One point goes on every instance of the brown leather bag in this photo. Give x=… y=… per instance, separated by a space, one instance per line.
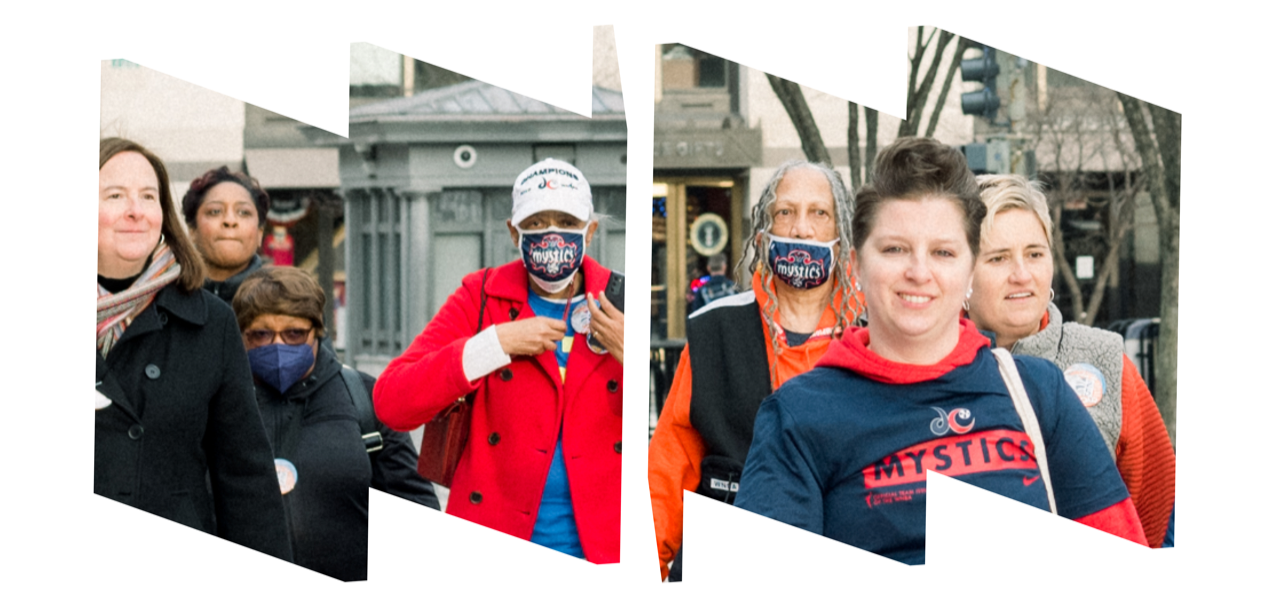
x=445 y=437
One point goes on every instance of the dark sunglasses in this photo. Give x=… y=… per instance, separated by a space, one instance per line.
x=262 y=337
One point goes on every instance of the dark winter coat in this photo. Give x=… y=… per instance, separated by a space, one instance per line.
x=328 y=507
x=182 y=437
x=227 y=289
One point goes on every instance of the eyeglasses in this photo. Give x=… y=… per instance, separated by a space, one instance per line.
x=262 y=337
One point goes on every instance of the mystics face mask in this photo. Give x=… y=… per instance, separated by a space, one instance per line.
x=552 y=256
x=801 y=263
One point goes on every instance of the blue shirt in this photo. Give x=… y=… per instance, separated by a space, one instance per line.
x=555 y=527
x=845 y=456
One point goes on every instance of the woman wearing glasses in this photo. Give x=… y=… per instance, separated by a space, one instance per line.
x=308 y=404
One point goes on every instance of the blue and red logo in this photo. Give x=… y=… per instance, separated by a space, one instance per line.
x=551 y=183
x=800 y=270
x=952 y=421
x=800 y=263
x=552 y=257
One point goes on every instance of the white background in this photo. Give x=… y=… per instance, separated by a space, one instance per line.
x=62 y=543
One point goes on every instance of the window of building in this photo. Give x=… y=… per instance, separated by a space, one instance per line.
x=688 y=68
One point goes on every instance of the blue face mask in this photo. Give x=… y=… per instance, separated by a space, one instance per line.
x=800 y=263
x=281 y=365
x=552 y=257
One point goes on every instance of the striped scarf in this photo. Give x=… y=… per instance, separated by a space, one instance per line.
x=116 y=311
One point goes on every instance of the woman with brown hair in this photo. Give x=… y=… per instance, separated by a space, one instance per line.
x=843 y=450
x=177 y=429
x=309 y=405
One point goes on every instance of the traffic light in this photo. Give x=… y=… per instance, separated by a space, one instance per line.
x=989 y=157
x=983 y=102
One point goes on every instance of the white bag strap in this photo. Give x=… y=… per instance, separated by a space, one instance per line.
x=1022 y=403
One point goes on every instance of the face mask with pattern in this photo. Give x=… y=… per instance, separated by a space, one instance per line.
x=801 y=263
x=552 y=256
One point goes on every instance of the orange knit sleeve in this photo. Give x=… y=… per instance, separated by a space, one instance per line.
x=675 y=462
x=1144 y=455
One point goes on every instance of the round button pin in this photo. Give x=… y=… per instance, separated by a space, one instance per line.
x=287 y=475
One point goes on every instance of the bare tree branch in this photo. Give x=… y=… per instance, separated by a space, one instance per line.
x=914 y=60
x=802 y=118
x=1152 y=148
x=954 y=67
x=1167 y=128
x=1065 y=272
x=873 y=139
x=855 y=154
x=1111 y=264
x=916 y=99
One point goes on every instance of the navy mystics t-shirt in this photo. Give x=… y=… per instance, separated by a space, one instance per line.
x=845 y=456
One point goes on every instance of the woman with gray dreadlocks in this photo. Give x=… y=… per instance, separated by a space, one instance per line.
x=742 y=348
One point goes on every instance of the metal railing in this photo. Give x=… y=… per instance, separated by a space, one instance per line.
x=664 y=356
x=1141 y=338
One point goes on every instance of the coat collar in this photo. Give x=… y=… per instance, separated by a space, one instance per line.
x=191 y=307
x=227 y=289
x=511 y=281
x=1045 y=342
x=188 y=306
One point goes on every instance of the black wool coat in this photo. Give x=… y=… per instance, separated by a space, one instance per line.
x=314 y=425
x=227 y=289
x=183 y=438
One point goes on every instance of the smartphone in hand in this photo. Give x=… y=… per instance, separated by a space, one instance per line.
x=613 y=290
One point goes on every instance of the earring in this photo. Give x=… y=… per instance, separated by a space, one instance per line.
x=966 y=304
x=856 y=285
x=1051 y=294
x=968 y=294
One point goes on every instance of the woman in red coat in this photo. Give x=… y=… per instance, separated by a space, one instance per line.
x=543 y=458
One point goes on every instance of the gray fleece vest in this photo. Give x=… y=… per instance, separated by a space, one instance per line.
x=1093 y=362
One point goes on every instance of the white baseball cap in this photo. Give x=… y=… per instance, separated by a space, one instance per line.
x=551 y=185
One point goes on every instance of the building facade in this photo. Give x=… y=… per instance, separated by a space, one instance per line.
x=427 y=183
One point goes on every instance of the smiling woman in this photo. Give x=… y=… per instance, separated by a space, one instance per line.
x=914 y=270
x=843 y=450
x=129 y=214
x=177 y=432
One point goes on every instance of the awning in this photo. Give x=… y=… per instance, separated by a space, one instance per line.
x=294 y=167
